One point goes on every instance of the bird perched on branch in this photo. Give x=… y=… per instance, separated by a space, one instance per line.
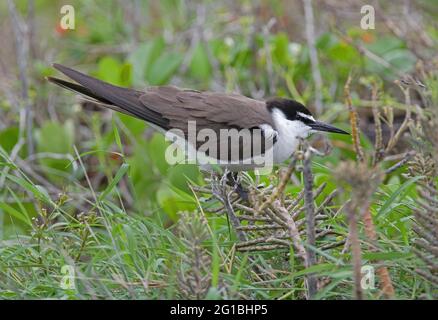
x=274 y=126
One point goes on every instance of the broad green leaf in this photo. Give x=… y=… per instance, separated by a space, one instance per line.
x=109 y=70
x=143 y=58
x=126 y=75
x=180 y=174
x=163 y=68
x=157 y=150
x=9 y=138
x=55 y=138
x=280 y=50
x=200 y=67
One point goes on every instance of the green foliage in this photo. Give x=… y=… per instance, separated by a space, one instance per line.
x=154 y=63
x=55 y=140
x=111 y=211
x=200 y=67
x=9 y=138
x=392 y=50
x=112 y=71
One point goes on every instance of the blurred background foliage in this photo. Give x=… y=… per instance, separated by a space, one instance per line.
x=258 y=48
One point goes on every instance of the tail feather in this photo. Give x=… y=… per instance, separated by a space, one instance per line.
x=76 y=88
x=88 y=95
x=122 y=98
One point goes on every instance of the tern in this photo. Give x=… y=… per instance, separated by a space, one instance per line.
x=276 y=124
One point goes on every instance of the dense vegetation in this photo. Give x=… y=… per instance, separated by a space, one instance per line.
x=87 y=192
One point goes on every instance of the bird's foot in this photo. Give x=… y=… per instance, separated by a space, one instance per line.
x=233 y=181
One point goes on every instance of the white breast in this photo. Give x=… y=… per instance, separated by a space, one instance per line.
x=288 y=134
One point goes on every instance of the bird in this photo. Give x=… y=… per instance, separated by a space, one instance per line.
x=276 y=124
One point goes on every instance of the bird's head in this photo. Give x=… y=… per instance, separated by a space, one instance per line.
x=296 y=118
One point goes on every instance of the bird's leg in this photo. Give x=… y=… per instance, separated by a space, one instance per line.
x=232 y=180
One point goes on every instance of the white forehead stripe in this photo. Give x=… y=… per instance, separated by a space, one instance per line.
x=306 y=116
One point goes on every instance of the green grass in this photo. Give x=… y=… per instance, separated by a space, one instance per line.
x=124 y=255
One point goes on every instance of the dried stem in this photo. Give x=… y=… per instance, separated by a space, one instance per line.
x=354 y=121
x=405 y=124
x=310 y=221
x=310 y=37
x=378 y=145
x=22 y=48
x=293 y=232
x=221 y=193
x=355 y=250
x=282 y=185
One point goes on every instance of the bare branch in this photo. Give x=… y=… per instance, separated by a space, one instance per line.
x=310 y=37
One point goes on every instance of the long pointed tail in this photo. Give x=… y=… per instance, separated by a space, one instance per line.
x=117 y=98
x=76 y=88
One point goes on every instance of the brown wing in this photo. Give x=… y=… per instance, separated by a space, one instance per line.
x=215 y=111
x=209 y=109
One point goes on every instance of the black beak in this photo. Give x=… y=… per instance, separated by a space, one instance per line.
x=321 y=126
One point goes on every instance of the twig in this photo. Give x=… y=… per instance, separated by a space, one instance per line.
x=354 y=121
x=282 y=185
x=292 y=230
x=310 y=221
x=22 y=48
x=269 y=64
x=408 y=156
x=378 y=145
x=219 y=190
x=382 y=272
x=310 y=37
x=405 y=124
x=355 y=249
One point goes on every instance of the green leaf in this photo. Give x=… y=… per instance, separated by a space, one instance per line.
x=8 y=164
x=9 y=138
x=117 y=136
x=126 y=75
x=119 y=175
x=55 y=138
x=385 y=44
x=130 y=238
x=143 y=58
x=180 y=174
x=173 y=201
x=322 y=268
x=38 y=191
x=109 y=70
x=157 y=150
x=401 y=59
x=384 y=256
x=164 y=68
x=134 y=126
x=200 y=67
x=280 y=50
x=387 y=206
x=15 y=213
x=392 y=50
